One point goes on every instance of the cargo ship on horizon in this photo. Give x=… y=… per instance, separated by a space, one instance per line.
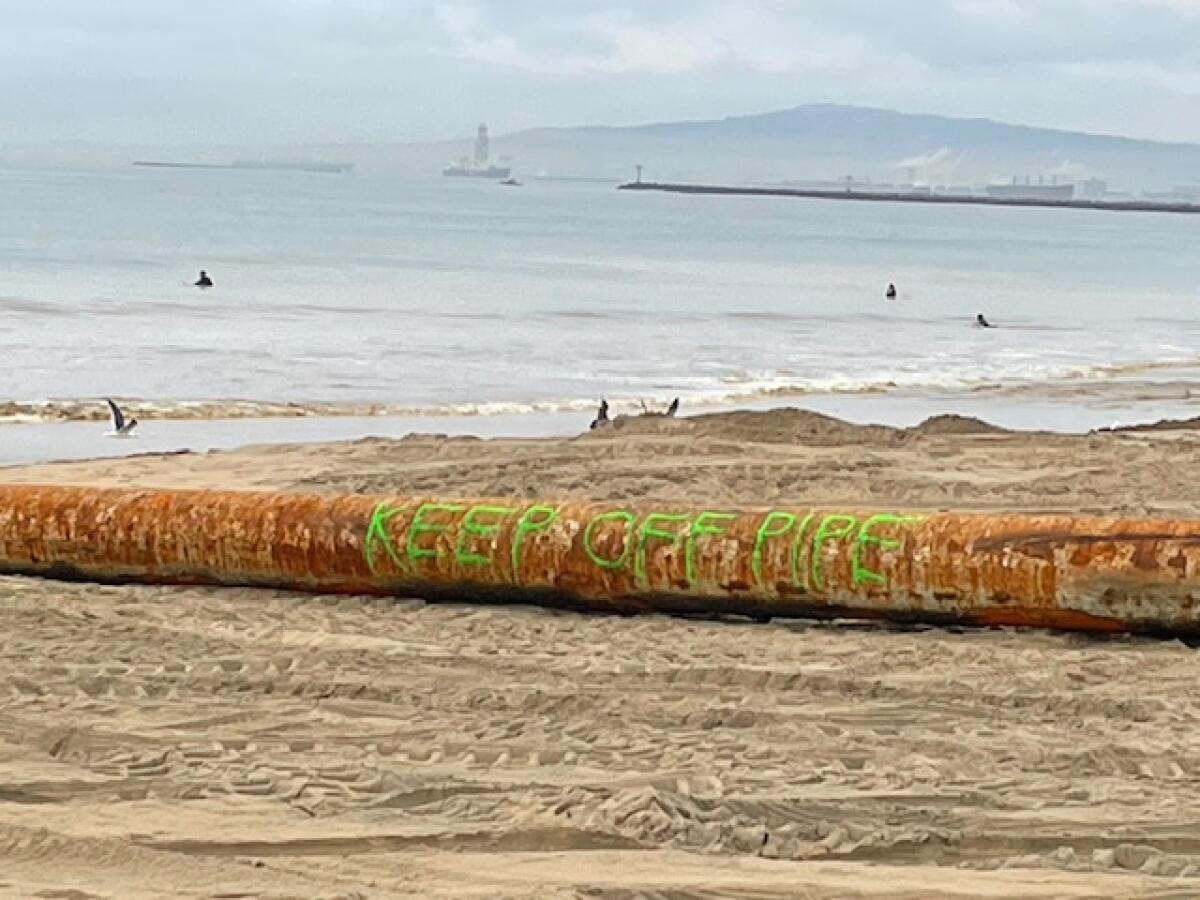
x=262 y=165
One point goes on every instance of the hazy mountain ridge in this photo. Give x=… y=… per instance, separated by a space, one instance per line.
x=829 y=141
x=814 y=142
x=828 y=119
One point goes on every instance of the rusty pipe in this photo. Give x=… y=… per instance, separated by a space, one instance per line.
x=1092 y=574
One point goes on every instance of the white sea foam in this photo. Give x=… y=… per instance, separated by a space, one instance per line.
x=1148 y=379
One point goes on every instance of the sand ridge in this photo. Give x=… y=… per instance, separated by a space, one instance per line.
x=777 y=457
x=187 y=742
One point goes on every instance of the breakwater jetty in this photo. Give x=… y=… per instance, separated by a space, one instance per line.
x=906 y=197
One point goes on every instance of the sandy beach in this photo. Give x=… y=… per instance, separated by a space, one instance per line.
x=187 y=742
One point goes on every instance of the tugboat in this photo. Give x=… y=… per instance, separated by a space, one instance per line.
x=480 y=165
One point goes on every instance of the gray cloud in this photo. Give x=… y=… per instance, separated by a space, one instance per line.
x=319 y=70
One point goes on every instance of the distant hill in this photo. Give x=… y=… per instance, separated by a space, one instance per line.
x=825 y=141
x=821 y=142
x=858 y=126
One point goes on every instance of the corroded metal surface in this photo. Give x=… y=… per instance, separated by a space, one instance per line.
x=1054 y=571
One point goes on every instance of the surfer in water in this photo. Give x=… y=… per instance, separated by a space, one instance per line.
x=981 y=322
x=890 y=293
x=204 y=281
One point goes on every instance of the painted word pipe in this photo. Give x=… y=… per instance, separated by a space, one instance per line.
x=1094 y=574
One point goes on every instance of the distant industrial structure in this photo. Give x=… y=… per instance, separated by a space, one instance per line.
x=1188 y=193
x=254 y=165
x=1043 y=190
x=480 y=165
x=1051 y=188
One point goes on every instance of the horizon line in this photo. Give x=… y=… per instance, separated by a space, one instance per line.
x=382 y=142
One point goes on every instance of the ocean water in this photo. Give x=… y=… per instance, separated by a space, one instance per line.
x=449 y=295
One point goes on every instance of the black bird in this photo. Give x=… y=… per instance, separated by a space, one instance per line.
x=204 y=281
x=674 y=407
x=982 y=322
x=601 y=416
x=891 y=292
x=121 y=426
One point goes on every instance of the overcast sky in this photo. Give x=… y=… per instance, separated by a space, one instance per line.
x=279 y=71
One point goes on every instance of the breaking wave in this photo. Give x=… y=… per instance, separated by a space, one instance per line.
x=728 y=391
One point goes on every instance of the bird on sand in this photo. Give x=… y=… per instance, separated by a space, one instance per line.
x=601 y=416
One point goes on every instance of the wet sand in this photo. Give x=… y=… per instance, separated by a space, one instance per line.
x=171 y=742
x=76 y=430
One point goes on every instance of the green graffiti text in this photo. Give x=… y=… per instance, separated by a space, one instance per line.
x=707 y=524
x=473 y=530
x=379 y=533
x=865 y=539
x=589 y=533
x=532 y=521
x=832 y=528
x=650 y=531
x=420 y=527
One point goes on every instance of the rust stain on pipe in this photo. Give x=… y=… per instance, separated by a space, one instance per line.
x=1091 y=574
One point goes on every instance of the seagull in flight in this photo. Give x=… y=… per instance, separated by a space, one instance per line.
x=121 y=427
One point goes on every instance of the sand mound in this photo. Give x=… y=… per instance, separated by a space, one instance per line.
x=775 y=426
x=1192 y=424
x=954 y=424
x=785 y=456
x=795 y=426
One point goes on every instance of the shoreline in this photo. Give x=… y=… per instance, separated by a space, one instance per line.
x=1174 y=381
x=896 y=197
x=42 y=442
